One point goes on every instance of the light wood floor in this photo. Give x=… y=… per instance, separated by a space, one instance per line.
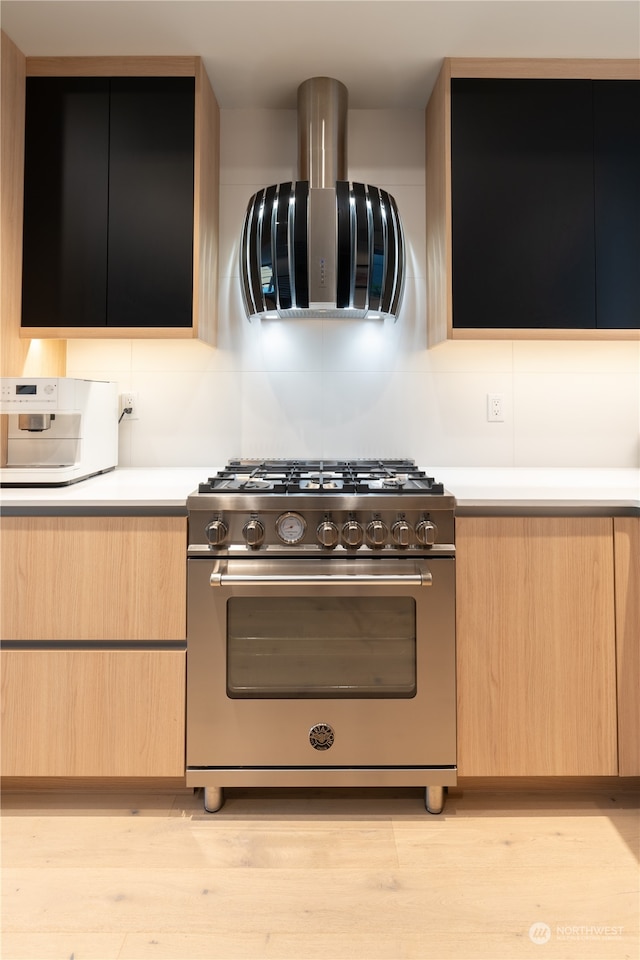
x=338 y=875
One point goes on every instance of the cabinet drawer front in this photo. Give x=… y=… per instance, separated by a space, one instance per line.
x=81 y=713
x=93 y=578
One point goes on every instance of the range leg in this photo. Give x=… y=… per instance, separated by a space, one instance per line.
x=434 y=799
x=213 y=799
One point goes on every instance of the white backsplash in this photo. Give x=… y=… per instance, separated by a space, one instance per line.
x=354 y=388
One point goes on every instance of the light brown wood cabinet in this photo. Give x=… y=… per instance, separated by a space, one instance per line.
x=627 y=560
x=93 y=578
x=93 y=713
x=536 y=647
x=94 y=618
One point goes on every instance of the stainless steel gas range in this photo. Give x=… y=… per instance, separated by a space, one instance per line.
x=321 y=628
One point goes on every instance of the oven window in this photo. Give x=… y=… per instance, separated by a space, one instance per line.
x=328 y=647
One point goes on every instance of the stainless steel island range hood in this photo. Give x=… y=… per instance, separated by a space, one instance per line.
x=322 y=246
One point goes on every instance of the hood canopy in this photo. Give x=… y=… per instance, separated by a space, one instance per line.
x=322 y=246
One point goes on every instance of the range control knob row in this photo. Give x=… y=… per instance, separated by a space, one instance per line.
x=352 y=534
x=216 y=532
x=426 y=533
x=377 y=533
x=328 y=534
x=253 y=532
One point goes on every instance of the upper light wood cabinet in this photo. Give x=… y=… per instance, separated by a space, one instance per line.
x=121 y=189
x=533 y=200
x=536 y=648
x=93 y=578
x=627 y=558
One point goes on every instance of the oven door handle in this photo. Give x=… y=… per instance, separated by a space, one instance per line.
x=420 y=577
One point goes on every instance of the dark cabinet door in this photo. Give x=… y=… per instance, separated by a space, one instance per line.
x=150 y=277
x=522 y=203
x=66 y=202
x=108 y=229
x=616 y=110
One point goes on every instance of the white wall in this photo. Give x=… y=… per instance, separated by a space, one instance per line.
x=361 y=389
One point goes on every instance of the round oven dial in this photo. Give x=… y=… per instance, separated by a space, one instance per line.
x=253 y=532
x=328 y=534
x=291 y=527
x=426 y=533
x=352 y=533
x=401 y=533
x=216 y=532
x=377 y=532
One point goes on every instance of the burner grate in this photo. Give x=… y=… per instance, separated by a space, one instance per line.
x=322 y=476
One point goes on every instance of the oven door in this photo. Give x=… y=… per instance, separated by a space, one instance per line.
x=321 y=662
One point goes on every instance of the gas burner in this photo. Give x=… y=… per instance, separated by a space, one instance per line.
x=321 y=480
x=254 y=483
x=320 y=483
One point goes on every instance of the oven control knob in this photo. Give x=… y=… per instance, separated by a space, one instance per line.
x=426 y=533
x=401 y=533
x=216 y=532
x=352 y=533
x=253 y=533
x=328 y=534
x=377 y=533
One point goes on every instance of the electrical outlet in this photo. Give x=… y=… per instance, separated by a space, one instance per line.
x=495 y=408
x=129 y=400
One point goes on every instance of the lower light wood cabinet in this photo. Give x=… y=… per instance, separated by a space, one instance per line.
x=536 y=647
x=627 y=554
x=94 y=621
x=86 y=713
x=93 y=578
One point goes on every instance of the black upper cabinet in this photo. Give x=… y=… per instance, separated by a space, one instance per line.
x=544 y=176
x=66 y=202
x=616 y=108
x=108 y=213
x=151 y=202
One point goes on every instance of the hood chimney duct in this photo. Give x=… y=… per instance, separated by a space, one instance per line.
x=322 y=132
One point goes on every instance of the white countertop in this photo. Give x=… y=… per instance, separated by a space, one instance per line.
x=486 y=487
x=165 y=489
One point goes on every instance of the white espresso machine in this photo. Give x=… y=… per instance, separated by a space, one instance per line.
x=60 y=430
